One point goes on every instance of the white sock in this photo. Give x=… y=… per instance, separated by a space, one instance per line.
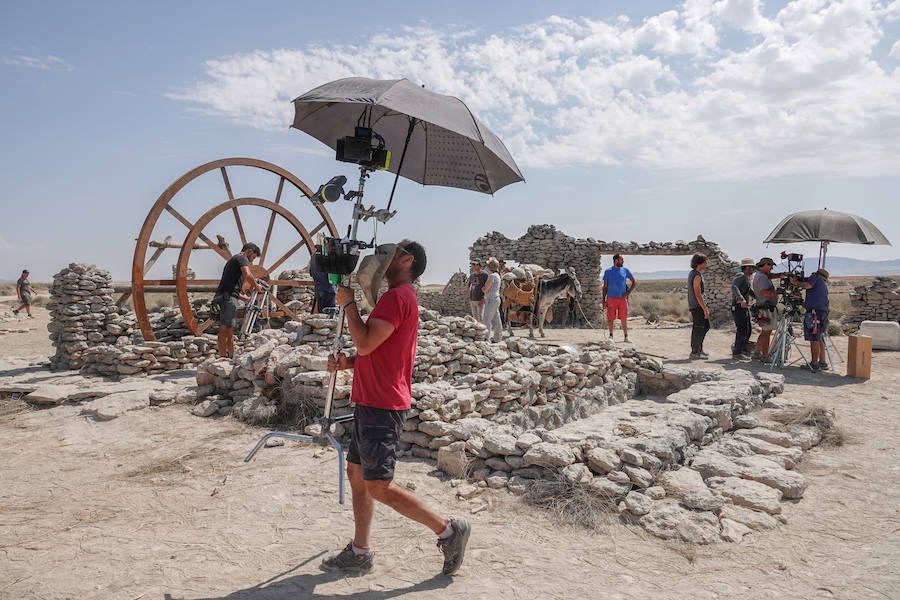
x=447 y=532
x=360 y=551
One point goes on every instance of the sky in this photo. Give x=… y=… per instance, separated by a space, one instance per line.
x=629 y=120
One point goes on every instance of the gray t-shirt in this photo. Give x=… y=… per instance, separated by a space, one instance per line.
x=24 y=286
x=493 y=294
x=762 y=282
x=692 y=298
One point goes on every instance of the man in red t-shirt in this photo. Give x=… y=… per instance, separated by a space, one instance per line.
x=382 y=384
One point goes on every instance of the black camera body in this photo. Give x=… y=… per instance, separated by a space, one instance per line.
x=792 y=294
x=358 y=148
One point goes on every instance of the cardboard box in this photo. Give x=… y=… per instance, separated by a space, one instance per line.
x=859 y=356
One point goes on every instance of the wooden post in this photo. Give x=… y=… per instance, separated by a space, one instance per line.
x=859 y=356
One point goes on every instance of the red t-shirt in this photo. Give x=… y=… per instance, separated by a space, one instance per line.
x=383 y=379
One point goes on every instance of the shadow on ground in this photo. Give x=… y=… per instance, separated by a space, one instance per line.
x=282 y=587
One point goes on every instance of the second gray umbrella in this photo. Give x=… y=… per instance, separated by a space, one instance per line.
x=443 y=142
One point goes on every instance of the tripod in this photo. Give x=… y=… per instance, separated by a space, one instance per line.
x=785 y=340
x=256 y=306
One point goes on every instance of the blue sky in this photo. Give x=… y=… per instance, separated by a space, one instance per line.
x=631 y=121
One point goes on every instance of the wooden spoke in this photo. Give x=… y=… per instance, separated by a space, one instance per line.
x=203 y=236
x=286 y=256
x=157 y=254
x=265 y=248
x=318 y=227
x=281 y=305
x=237 y=217
x=206 y=325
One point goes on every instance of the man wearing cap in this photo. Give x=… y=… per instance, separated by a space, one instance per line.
x=477 y=279
x=815 y=321
x=741 y=295
x=766 y=300
x=382 y=395
x=24 y=291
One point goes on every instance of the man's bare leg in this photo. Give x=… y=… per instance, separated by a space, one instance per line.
x=363 y=506
x=762 y=343
x=612 y=325
x=225 y=341
x=624 y=326
x=405 y=503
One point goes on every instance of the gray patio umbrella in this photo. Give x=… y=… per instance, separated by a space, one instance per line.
x=825 y=226
x=440 y=141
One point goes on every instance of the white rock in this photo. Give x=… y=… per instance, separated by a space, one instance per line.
x=637 y=503
x=750 y=494
x=603 y=460
x=732 y=531
x=546 y=454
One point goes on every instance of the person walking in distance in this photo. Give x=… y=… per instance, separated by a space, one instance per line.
x=766 y=300
x=477 y=280
x=382 y=393
x=697 y=305
x=491 y=291
x=741 y=295
x=236 y=271
x=616 y=292
x=24 y=292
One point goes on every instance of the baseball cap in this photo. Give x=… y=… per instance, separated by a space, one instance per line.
x=765 y=261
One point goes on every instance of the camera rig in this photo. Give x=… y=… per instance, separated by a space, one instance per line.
x=791 y=295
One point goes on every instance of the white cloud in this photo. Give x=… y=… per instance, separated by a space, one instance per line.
x=895 y=50
x=43 y=63
x=803 y=95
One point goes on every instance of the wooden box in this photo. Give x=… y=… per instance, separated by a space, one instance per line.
x=859 y=356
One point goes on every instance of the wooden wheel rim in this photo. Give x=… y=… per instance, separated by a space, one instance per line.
x=162 y=203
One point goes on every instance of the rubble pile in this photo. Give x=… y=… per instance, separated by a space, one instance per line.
x=147 y=357
x=452 y=300
x=83 y=313
x=877 y=302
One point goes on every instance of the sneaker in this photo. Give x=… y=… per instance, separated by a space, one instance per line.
x=15 y=312
x=814 y=367
x=824 y=366
x=349 y=562
x=626 y=339
x=695 y=356
x=454 y=547
x=703 y=354
x=30 y=316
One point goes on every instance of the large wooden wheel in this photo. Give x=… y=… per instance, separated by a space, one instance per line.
x=197 y=239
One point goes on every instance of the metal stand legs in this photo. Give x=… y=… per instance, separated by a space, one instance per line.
x=786 y=340
x=258 y=305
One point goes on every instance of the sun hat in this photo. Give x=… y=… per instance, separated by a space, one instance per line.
x=765 y=261
x=747 y=262
x=493 y=263
x=823 y=273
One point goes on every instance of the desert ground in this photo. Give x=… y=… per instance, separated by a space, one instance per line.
x=158 y=504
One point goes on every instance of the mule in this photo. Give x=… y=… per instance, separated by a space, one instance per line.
x=551 y=289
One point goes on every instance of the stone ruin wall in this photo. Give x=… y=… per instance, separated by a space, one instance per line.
x=879 y=301
x=452 y=300
x=546 y=246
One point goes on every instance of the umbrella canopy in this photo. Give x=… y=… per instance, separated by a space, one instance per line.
x=826 y=226
x=442 y=141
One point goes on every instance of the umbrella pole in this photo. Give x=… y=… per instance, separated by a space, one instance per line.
x=823 y=251
x=412 y=125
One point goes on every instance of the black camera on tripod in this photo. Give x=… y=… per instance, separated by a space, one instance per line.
x=358 y=148
x=791 y=295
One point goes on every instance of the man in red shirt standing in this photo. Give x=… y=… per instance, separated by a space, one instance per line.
x=382 y=392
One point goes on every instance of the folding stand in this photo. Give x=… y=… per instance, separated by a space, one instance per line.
x=258 y=305
x=786 y=340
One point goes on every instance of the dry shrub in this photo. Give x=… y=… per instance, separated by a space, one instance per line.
x=815 y=416
x=295 y=410
x=571 y=503
x=12 y=406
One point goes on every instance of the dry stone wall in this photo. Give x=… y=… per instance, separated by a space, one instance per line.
x=452 y=300
x=547 y=246
x=83 y=314
x=877 y=302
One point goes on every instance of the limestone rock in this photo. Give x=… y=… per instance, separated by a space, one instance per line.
x=668 y=520
x=115 y=405
x=754 y=519
x=547 y=454
x=637 y=503
x=603 y=460
x=732 y=531
x=758 y=468
x=750 y=494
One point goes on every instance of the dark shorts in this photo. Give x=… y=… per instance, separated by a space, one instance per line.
x=813 y=330
x=26 y=299
x=228 y=309
x=373 y=446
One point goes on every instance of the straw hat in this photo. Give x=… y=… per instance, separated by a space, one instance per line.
x=747 y=262
x=823 y=273
x=493 y=264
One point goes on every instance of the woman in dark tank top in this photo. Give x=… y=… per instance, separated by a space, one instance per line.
x=697 y=305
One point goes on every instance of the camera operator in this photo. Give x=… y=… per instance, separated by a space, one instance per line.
x=766 y=300
x=815 y=321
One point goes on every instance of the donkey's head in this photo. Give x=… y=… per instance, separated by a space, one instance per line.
x=574 y=288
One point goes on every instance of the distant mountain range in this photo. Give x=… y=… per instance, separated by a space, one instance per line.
x=837 y=266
